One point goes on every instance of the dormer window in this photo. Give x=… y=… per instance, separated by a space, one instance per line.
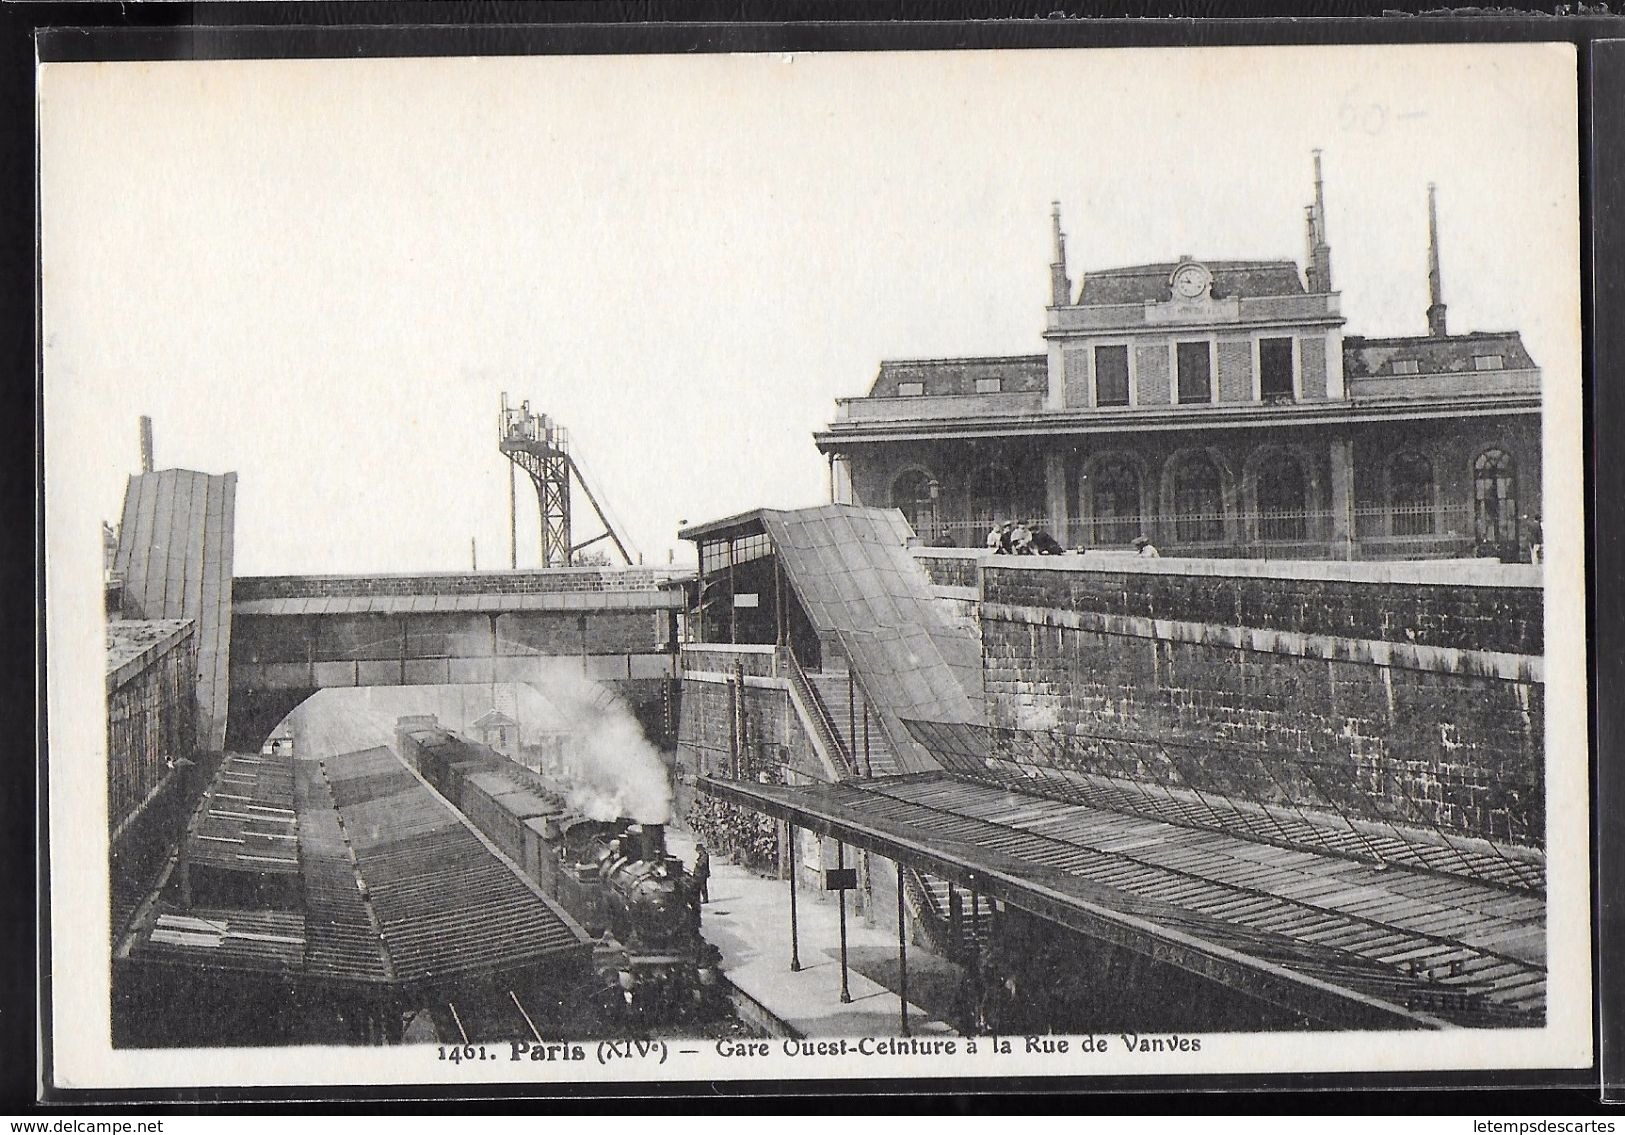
x=1406 y=366
x=910 y=389
x=1488 y=362
x=989 y=385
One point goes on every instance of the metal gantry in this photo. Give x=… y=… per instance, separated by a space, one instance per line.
x=541 y=447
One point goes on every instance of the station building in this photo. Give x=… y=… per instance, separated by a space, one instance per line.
x=1217 y=407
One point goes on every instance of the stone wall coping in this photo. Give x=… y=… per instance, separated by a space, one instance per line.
x=1448 y=573
x=670 y=573
x=164 y=635
x=924 y=552
x=731 y=647
x=642 y=576
x=759 y=681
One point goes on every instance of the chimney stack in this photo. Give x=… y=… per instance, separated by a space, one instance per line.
x=146 y=444
x=1320 y=253
x=652 y=842
x=1060 y=288
x=1436 y=306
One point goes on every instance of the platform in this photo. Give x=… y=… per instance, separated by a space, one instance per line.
x=748 y=919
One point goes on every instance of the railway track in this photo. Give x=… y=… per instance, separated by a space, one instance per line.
x=521 y=1015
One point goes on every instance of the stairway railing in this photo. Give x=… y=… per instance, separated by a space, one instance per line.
x=923 y=905
x=936 y=922
x=817 y=712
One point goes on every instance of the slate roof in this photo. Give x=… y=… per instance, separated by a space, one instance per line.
x=247 y=820
x=1017 y=374
x=1148 y=283
x=1433 y=355
x=397 y=885
x=175 y=555
x=868 y=597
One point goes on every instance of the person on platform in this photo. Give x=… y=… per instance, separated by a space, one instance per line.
x=702 y=872
x=995 y=537
x=1144 y=547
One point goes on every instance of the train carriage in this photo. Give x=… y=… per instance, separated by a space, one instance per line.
x=615 y=877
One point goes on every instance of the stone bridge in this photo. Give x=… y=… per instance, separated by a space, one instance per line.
x=294 y=635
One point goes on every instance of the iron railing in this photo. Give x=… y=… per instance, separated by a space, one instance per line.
x=817 y=712
x=1276 y=797
x=1376 y=532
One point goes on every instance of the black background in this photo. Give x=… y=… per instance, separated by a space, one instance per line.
x=166 y=31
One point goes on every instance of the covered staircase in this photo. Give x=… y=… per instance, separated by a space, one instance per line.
x=944 y=914
x=858 y=729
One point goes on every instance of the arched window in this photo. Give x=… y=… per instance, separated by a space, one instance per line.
x=1410 y=494
x=911 y=494
x=988 y=494
x=1114 y=494
x=1495 y=498
x=1198 y=500
x=1282 y=500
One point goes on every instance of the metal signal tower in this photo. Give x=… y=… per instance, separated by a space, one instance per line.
x=541 y=447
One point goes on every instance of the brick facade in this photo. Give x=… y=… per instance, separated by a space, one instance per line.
x=1235 y=370
x=1154 y=384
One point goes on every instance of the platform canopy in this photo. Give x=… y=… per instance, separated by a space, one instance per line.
x=392 y=888
x=1344 y=942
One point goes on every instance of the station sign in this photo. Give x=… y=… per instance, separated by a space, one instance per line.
x=840 y=878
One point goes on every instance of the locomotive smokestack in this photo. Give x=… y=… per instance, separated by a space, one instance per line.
x=653 y=846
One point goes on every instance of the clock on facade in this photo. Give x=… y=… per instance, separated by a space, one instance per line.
x=1190 y=281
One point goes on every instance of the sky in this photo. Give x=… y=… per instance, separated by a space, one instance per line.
x=323 y=274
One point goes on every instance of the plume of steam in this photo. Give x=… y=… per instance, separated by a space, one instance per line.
x=613 y=769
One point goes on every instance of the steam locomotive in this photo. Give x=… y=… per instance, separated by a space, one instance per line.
x=614 y=877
